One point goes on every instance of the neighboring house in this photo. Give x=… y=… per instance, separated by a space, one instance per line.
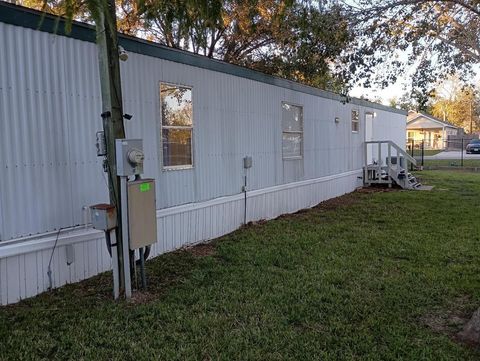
x=198 y=119
x=433 y=131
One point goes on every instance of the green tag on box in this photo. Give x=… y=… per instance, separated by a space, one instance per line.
x=144 y=187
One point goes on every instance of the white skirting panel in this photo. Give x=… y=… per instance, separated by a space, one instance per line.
x=24 y=262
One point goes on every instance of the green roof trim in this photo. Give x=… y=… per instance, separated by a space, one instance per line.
x=32 y=19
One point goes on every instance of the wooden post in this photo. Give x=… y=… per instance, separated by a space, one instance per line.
x=379 y=165
x=423 y=151
x=112 y=110
x=461 y=152
x=412 y=154
x=471 y=116
x=389 y=164
x=365 y=169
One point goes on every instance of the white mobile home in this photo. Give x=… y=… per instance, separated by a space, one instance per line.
x=198 y=119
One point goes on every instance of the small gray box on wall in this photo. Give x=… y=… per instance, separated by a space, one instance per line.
x=103 y=216
x=247 y=162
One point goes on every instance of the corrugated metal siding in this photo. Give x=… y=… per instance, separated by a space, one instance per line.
x=36 y=188
x=50 y=103
x=50 y=99
x=23 y=273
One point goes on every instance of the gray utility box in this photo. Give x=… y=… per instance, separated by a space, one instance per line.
x=104 y=216
x=130 y=156
x=142 y=213
x=247 y=162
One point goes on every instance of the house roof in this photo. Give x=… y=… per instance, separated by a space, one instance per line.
x=417 y=115
x=32 y=19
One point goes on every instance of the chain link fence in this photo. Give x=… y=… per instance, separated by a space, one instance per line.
x=449 y=153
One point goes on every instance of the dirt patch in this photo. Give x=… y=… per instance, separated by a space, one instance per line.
x=202 y=249
x=470 y=333
x=259 y=222
x=141 y=297
x=352 y=198
x=334 y=203
x=453 y=321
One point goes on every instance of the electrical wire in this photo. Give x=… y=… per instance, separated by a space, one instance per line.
x=49 y=268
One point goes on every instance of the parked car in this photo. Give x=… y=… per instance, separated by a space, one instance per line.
x=473 y=146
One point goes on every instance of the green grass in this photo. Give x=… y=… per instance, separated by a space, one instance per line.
x=454 y=163
x=418 y=152
x=354 y=280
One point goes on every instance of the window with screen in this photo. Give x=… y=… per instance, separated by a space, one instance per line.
x=355 y=121
x=292 y=128
x=177 y=125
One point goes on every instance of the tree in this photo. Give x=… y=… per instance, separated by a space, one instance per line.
x=457 y=103
x=295 y=39
x=405 y=102
x=127 y=14
x=439 y=38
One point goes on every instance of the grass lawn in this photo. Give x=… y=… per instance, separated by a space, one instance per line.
x=369 y=276
x=418 y=152
x=450 y=163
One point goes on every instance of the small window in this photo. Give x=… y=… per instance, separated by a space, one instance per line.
x=292 y=128
x=177 y=125
x=355 y=121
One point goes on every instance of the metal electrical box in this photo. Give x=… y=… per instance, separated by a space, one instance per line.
x=104 y=216
x=247 y=162
x=129 y=153
x=142 y=218
x=101 y=144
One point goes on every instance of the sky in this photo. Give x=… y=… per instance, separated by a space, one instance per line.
x=397 y=89
x=403 y=84
x=393 y=91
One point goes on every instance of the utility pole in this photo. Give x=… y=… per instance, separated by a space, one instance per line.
x=112 y=109
x=471 y=116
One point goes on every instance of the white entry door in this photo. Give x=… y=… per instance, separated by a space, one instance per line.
x=369 y=137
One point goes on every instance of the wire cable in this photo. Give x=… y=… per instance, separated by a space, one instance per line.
x=49 y=268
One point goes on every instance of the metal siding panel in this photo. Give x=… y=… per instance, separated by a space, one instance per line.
x=50 y=113
x=32 y=202
x=22 y=279
x=40 y=271
x=13 y=280
x=92 y=268
x=84 y=104
x=3 y=282
x=79 y=264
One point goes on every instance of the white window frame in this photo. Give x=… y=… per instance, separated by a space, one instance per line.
x=355 y=121
x=293 y=157
x=192 y=128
